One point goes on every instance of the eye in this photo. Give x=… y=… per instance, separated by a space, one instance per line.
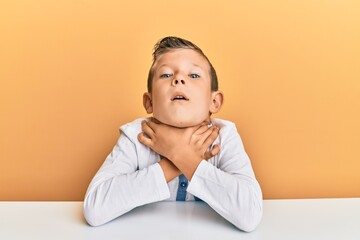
x=166 y=75
x=194 y=76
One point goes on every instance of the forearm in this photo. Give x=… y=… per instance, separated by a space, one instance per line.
x=185 y=148
x=236 y=197
x=187 y=163
x=169 y=169
x=111 y=196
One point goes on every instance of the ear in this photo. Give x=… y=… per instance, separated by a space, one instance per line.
x=217 y=99
x=147 y=102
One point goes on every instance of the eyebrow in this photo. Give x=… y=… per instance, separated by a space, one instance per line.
x=195 y=65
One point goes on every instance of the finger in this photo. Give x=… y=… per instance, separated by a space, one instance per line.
x=215 y=150
x=206 y=122
x=205 y=135
x=209 y=154
x=203 y=128
x=211 y=138
x=144 y=140
x=147 y=129
x=152 y=125
x=152 y=119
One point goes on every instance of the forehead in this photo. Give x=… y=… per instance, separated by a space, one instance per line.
x=181 y=57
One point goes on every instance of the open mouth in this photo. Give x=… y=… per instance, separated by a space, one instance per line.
x=179 y=97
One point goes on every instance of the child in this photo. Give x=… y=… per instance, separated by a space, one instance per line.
x=179 y=154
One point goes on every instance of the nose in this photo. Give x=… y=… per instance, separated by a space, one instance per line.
x=176 y=81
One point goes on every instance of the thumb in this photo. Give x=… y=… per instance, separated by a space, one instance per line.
x=209 y=154
x=144 y=140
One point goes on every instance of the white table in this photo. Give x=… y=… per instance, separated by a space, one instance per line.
x=283 y=219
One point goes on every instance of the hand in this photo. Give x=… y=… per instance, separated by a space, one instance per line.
x=184 y=147
x=170 y=141
x=201 y=131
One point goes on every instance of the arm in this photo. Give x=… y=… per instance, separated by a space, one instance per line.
x=231 y=189
x=172 y=171
x=184 y=147
x=169 y=169
x=120 y=186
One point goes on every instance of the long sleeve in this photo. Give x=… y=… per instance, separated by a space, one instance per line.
x=230 y=188
x=119 y=185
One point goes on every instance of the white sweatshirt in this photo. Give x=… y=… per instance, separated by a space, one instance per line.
x=131 y=177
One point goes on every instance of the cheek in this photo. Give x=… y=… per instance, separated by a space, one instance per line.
x=157 y=96
x=158 y=103
x=204 y=99
x=202 y=104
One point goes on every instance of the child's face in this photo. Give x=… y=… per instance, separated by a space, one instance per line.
x=181 y=89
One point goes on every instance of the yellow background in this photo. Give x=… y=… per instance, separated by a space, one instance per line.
x=72 y=72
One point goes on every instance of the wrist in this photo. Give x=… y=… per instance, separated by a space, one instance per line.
x=169 y=169
x=185 y=157
x=187 y=164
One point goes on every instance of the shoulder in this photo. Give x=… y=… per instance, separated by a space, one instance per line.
x=228 y=132
x=225 y=126
x=132 y=129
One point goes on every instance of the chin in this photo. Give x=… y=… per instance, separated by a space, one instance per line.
x=180 y=123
